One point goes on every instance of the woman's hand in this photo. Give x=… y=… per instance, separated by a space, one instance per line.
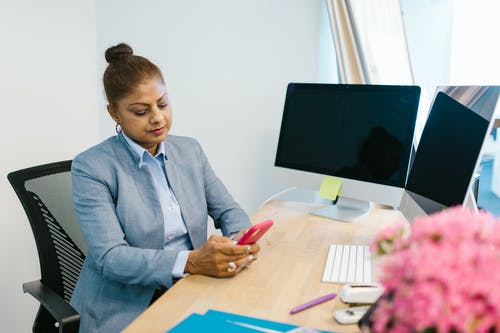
x=236 y=238
x=220 y=257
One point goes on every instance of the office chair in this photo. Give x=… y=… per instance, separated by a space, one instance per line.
x=46 y=195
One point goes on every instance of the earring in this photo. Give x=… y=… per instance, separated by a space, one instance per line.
x=118 y=128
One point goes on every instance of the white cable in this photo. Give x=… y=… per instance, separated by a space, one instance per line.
x=278 y=194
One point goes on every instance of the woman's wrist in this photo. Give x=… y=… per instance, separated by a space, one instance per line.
x=191 y=263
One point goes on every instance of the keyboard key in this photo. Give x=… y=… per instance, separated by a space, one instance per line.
x=351 y=271
x=336 y=263
x=360 y=256
x=327 y=272
x=344 y=264
x=367 y=266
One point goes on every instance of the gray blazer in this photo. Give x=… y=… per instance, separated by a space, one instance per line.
x=120 y=216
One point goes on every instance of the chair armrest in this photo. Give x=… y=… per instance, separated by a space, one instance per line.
x=67 y=317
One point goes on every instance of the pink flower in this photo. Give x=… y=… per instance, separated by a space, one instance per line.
x=384 y=241
x=444 y=275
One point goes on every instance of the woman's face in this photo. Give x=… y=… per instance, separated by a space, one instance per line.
x=145 y=115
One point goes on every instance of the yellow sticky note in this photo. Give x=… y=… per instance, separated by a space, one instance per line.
x=330 y=188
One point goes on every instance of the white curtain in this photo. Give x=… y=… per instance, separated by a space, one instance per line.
x=370 y=41
x=349 y=54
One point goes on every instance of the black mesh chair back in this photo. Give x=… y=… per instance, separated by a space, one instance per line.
x=46 y=195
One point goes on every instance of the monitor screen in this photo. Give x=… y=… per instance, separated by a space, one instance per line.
x=447 y=153
x=358 y=132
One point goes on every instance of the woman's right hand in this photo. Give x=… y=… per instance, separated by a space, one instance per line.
x=214 y=258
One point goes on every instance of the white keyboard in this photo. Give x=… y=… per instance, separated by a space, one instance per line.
x=348 y=264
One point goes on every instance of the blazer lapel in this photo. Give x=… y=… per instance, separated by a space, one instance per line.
x=176 y=186
x=142 y=176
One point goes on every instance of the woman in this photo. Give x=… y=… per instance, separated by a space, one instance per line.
x=142 y=199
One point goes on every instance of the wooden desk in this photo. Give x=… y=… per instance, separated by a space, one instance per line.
x=287 y=273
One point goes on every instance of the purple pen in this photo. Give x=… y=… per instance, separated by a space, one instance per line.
x=313 y=302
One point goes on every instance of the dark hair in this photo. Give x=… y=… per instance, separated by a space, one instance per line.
x=125 y=71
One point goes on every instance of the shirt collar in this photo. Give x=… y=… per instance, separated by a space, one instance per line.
x=140 y=151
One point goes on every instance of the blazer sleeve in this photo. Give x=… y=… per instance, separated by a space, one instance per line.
x=225 y=211
x=110 y=253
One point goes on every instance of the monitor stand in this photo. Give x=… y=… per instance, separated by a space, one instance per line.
x=345 y=209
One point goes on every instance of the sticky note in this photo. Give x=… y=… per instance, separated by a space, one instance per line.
x=330 y=187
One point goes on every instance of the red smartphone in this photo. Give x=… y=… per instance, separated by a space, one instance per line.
x=255 y=232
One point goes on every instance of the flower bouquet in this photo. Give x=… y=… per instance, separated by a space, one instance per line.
x=441 y=275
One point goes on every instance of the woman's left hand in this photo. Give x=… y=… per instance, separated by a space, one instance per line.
x=220 y=257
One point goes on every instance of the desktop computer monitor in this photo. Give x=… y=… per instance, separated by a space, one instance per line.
x=482 y=100
x=446 y=158
x=361 y=134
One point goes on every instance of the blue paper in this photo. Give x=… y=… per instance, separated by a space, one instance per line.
x=200 y=323
x=225 y=316
x=268 y=324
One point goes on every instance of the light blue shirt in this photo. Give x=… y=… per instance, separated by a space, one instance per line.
x=176 y=235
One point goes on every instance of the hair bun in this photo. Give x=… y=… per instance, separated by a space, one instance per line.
x=118 y=53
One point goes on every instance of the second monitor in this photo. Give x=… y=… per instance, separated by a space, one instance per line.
x=446 y=158
x=362 y=134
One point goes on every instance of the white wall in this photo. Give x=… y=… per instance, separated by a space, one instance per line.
x=428 y=26
x=475 y=51
x=327 y=71
x=49 y=113
x=226 y=64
